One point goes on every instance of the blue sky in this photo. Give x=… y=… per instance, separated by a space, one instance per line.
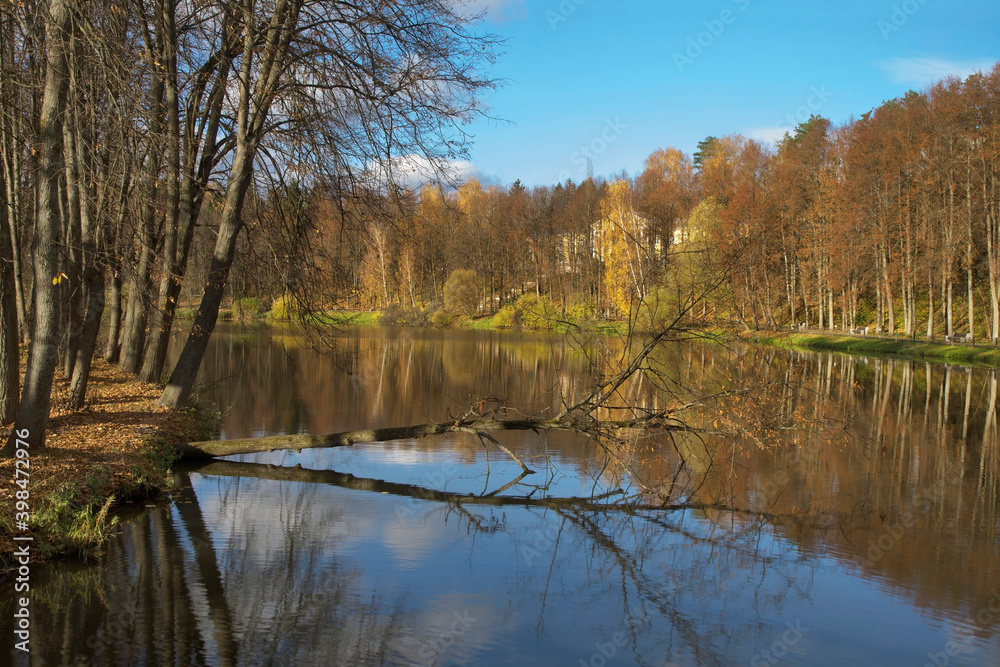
x=616 y=80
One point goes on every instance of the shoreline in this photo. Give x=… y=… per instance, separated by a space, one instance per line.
x=919 y=350
x=97 y=462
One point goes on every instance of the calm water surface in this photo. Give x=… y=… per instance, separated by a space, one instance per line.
x=866 y=530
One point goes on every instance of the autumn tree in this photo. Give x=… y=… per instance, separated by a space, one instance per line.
x=623 y=246
x=33 y=409
x=461 y=292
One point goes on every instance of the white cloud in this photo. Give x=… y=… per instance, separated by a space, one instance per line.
x=926 y=71
x=413 y=171
x=498 y=10
x=768 y=135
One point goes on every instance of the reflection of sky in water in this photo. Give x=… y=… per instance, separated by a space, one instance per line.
x=540 y=587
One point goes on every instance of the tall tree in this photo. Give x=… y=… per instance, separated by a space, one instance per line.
x=33 y=409
x=359 y=81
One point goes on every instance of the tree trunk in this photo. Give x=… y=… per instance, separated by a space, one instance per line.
x=140 y=288
x=969 y=256
x=162 y=312
x=199 y=127
x=33 y=410
x=10 y=379
x=113 y=347
x=889 y=300
x=93 y=279
x=74 y=293
x=88 y=338
x=930 y=304
x=992 y=260
x=949 y=306
x=136 y=312
x=10 y=151
x=178 y=390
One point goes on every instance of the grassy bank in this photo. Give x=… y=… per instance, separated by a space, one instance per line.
x=923 y=350
x=350 y=318
x=118 y=449
x=499 y=322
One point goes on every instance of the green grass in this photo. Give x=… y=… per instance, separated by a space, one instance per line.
x=348 y=318
x=482 y=323
x=337 y=318
x=924 y=350
x=493 y=323
x=356 y=318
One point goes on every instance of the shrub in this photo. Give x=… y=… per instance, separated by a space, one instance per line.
x=284 y=308
x=461 y=292
x=656 y=311
x=529 y=311
x=507 y=317
x=440 y=318
x=580 y=308
x=247 y=308
x=537 y=312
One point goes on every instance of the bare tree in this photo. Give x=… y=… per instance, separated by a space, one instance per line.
x=33 y=410
x=360 y=84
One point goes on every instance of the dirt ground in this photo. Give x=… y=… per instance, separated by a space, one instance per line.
x=117 y=446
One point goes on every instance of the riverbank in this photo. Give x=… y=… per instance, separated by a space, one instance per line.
x=921 y=350
x=116 y=450
x=505 y=320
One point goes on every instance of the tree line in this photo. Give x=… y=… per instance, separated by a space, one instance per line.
x=890 y=221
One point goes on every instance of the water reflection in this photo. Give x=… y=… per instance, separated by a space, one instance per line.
x=852 y=520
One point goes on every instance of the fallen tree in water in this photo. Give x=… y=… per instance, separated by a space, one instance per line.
x=473 y=423
x=490 y=416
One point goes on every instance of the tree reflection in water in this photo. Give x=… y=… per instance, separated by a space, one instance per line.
x=855 y=504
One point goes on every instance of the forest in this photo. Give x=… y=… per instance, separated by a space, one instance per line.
x=888 y=221
x=166 y=156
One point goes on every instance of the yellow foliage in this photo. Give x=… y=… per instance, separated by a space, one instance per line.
x=621 y=247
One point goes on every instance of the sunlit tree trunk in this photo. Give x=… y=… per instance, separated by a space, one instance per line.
x=112 y=347
x=257 y=90
x=993 y=258
x=75 y=293
x=140 y=277
x=930 y=303
x=969 y=254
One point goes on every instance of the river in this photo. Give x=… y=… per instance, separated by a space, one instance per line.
x=840 y=511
